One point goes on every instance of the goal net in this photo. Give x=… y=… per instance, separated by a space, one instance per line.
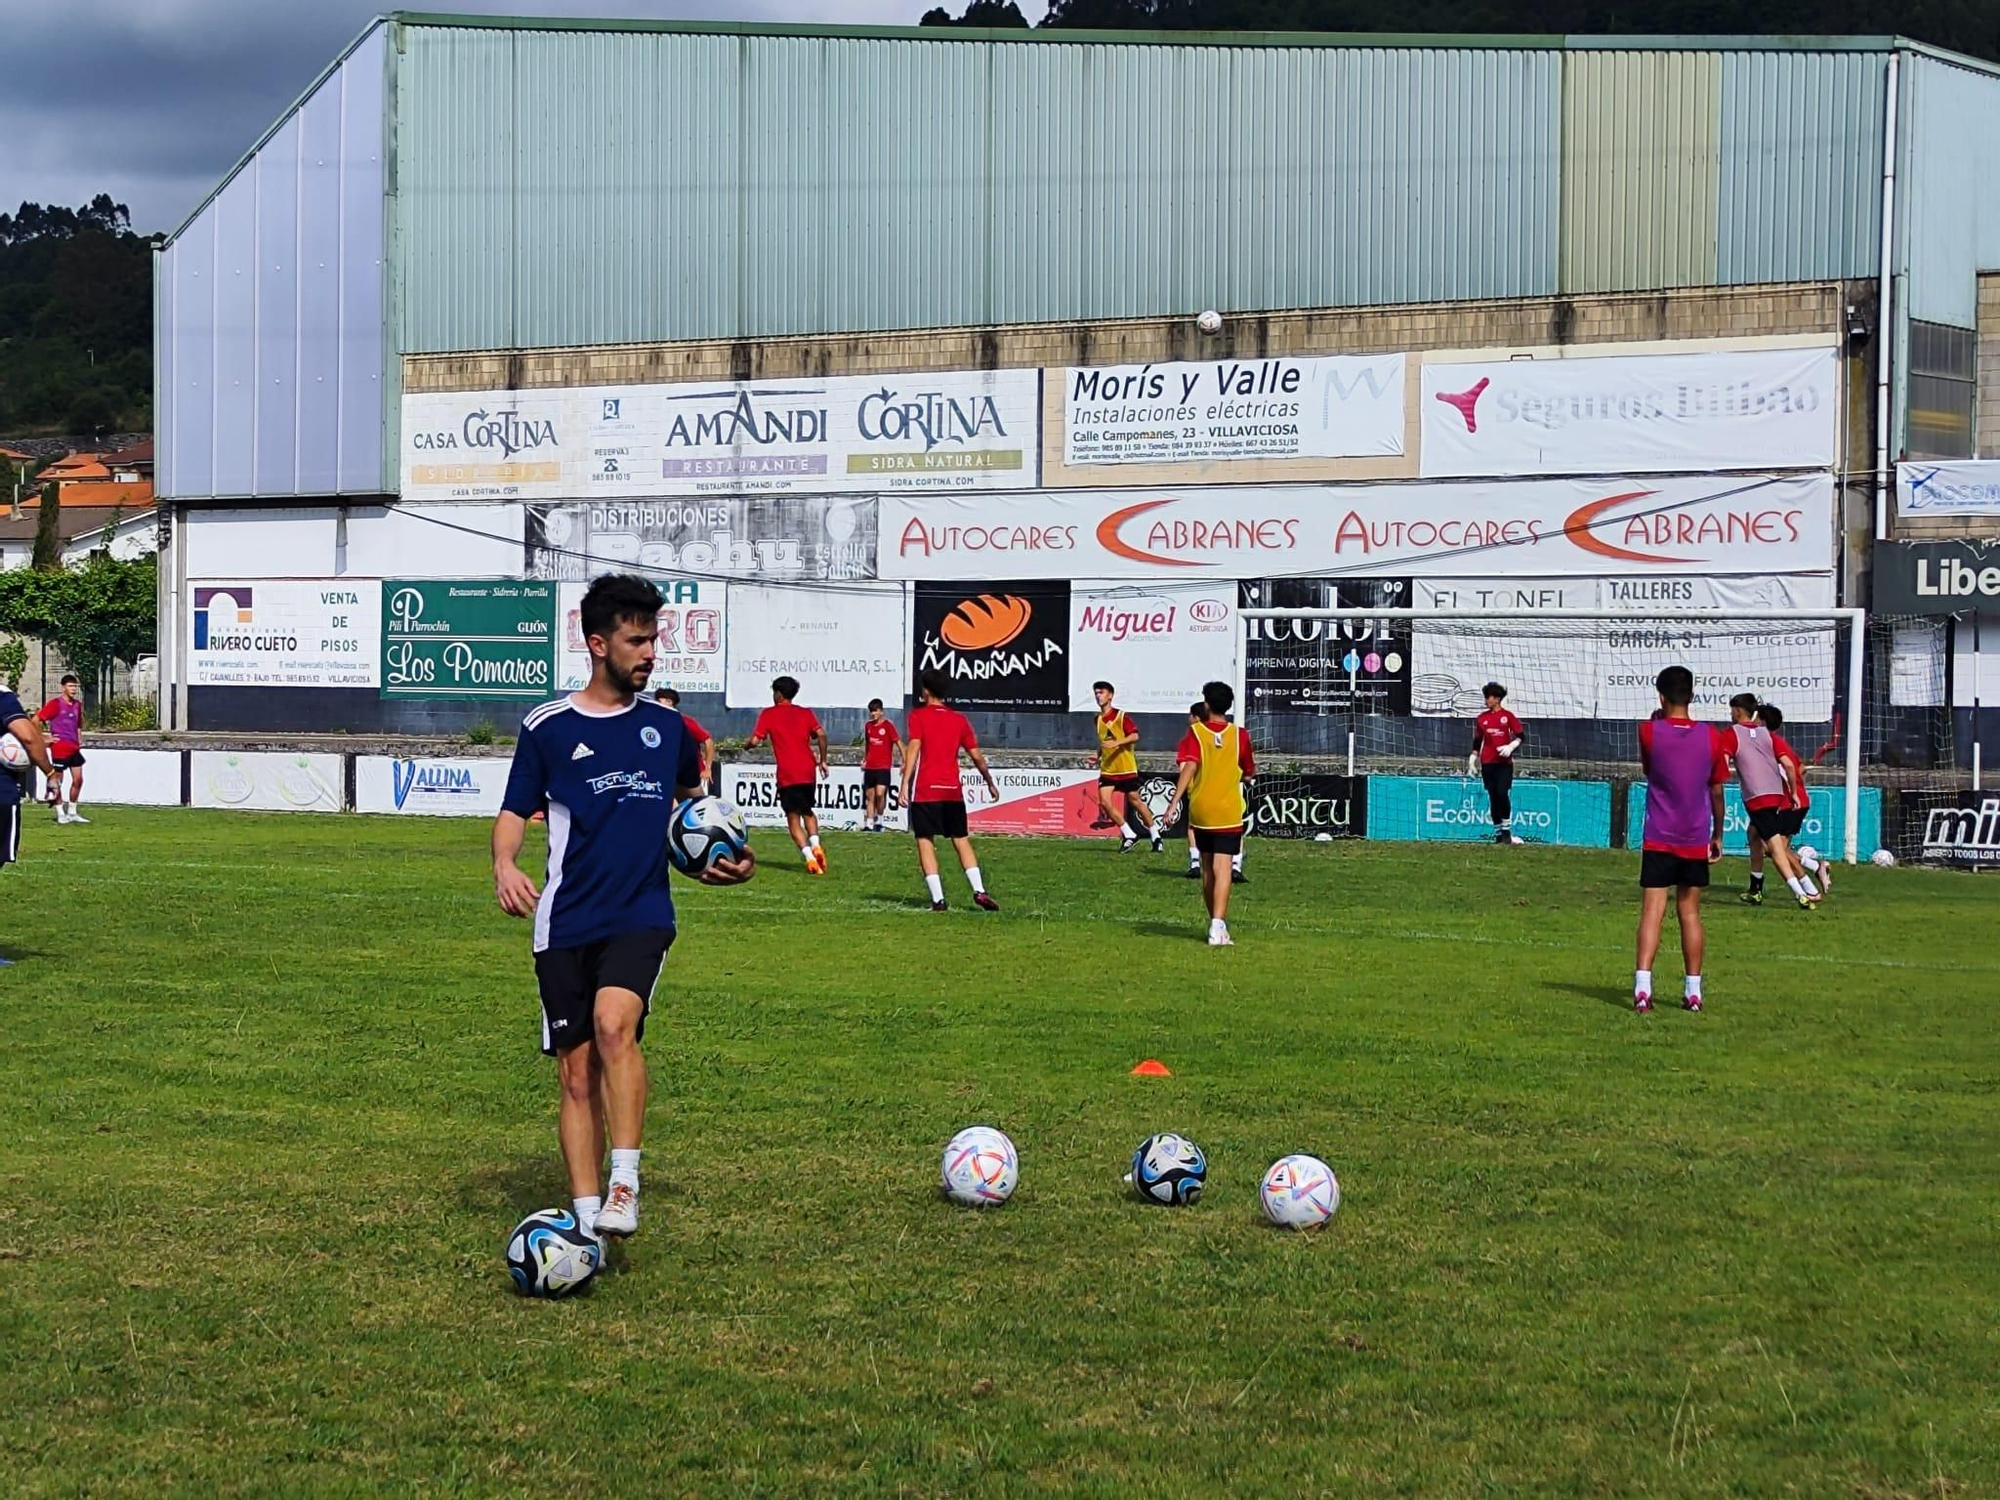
x=1373 y=709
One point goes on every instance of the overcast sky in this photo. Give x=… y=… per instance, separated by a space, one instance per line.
x=152 y=101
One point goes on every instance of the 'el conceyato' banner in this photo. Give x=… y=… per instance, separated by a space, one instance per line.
x=1606 y=528
x=1630 y=414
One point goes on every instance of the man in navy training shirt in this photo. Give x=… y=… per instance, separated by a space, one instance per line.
x=17 y=721
x=608 y=766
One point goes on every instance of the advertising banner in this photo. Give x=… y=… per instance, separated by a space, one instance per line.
x=790 y=537
x=468 y=638
x=1001 y=645
x=1951 y=828
x=1586 y=669
x=1158 y=643
x=1326 y=666
x=954 y=430
x=470 y=787
x=1825 y=826
x=1339 y=406
x=130 y=778
x=265 y=781
x=1032 y=801
x=285 y=632
x=1961 y=487
x=1455 y=808
x=1936 y=578
x=1309 y=806
x=1532 y=528
x=689 y=652
x=1631 y=414
x=845 y=645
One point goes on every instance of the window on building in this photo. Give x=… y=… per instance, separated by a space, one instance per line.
x=1943 y=380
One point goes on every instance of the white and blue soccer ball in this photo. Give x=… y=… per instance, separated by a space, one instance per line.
x=550 y=1255
x=1299 y=1192
x=1168 y=1169
x=980 y=1167
x=1882 y=859
x=13 y=754
x=705 y=829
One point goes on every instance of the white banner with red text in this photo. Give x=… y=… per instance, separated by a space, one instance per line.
x=1581 y=413
x=1156 y=643
x=1626 y=528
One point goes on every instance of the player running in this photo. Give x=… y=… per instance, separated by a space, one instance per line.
x=1215 y=762
x=932 y=794
x=795 y=736
x=609 y=767
x=1118 y=772
x=1686 y=764
x=704 y=743
x=64 y=716
x=881 y=755
x=1767 y=797
x=1197 y=715
x=1795 y=817
x=1496 y=735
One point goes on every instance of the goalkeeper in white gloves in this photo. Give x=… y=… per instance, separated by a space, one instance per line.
x=1496 y=735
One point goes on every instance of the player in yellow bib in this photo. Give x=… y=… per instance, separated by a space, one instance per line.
x=1118 y=772
x=1215 y=763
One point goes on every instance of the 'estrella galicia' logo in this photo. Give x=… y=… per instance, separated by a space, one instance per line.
x=650 y=737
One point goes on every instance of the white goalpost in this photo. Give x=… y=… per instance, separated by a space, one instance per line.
x=1391 y=692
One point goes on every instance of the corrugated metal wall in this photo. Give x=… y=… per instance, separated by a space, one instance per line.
x=1950 y=197
x=268 y=313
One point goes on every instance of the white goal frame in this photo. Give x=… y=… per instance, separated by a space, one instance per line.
x=1857 y=654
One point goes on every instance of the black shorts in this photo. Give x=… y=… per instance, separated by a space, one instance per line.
x=1119 y=783
x=875 y=778
x=797 y=798
x=70 y=762
x=937 y=820
x=1768 y=821
x=1792 y=821
x=1659 y=869
x=571 y=977
x=10 y=832
x=1218 y=841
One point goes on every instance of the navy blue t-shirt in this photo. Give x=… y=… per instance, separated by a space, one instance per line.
x=10 y=710
x=609 y=781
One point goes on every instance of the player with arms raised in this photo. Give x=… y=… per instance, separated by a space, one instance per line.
x=1686 y=765
x=1215 y=762
x=933 y=796
x=1496 y=735
x=609 y=766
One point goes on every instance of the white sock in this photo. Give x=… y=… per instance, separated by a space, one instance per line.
x=935 y=885
x=1800 y=887
x=1642 y=981
x=1236 y=863
x=812 y=839
x=1693 y=988
x=585 y=1210
x=1194 y=860
x=972 y=879
x=1216 y=924
x=625 y=1167
x=1810 y=861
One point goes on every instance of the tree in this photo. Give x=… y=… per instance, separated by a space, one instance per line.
x=995 y=13
x=101 y=612
x=76 y=320
x=48 y=531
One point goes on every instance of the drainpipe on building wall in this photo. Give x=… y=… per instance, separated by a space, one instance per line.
x=1885 y=322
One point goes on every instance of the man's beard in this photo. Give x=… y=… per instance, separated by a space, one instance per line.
x=628 y=683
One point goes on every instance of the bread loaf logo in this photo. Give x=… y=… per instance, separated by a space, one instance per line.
x=986 y=623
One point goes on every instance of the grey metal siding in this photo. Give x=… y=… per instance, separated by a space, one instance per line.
x=268 y=316
x=1951 y=205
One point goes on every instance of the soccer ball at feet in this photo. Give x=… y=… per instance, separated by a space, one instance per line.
x=549 y=1255
x=1806 y=852
x=1883 y=858
x=980 y=1167
x=1168 y=1169
x=705 y=829
x=1299 y=1192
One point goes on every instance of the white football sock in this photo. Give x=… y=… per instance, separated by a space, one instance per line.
x=1799 y=886
x=1642 y=981
x=1693 y=987
x=586 y=1210
x=1236 y=863
x=972 y=879
x=813 y=840
x=625 y=1167
x=1810 y=861
x=935 y=885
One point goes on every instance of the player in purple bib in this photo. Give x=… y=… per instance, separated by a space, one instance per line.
x=1686 y=765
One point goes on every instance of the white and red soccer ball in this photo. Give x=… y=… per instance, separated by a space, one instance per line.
x=980 y=1167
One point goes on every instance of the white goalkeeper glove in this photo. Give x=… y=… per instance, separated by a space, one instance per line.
x=1507 y=750
x=1472 y=764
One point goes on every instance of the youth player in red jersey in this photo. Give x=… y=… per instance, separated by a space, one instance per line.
x=881 y=755
x=1791 y=822
x=1496 y=735
x=799 y=746
x=704 y=743
x=932 y=793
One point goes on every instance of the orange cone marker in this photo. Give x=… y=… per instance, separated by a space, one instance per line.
x=1152 y=1067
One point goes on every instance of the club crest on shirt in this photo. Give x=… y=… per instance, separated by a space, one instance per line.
x=650 y=737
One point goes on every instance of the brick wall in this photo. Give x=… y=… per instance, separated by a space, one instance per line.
x=1986 y=405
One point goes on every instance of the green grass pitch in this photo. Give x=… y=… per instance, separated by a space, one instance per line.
x=270 y=1099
